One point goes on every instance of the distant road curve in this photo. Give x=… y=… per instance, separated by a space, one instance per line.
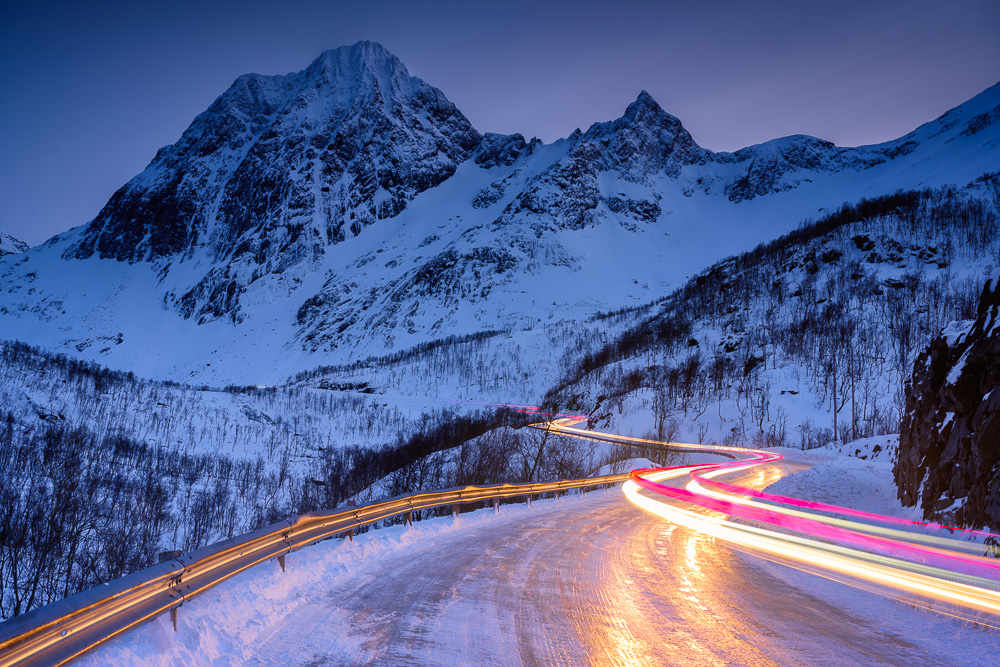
x=937 y=566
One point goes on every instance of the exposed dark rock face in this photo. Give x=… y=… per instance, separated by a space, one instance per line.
x=280 y=167
x=981 y=122
x=766 y=165
x=450 y=278
x=494 y=192
x=566 y=195
x=949 y=446
x=502 y=149
x=646 y=140
x=640 y=209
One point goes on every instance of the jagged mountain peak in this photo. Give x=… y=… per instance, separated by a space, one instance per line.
x=279 y=168
x=645 y=98
x=646 y=107
x=644 y=140
x=342 y=64
x=361 y=78
x=645 y=110
x=366 y=63
x=363 y=55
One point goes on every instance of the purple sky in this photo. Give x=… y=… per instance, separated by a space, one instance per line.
x=92 y=89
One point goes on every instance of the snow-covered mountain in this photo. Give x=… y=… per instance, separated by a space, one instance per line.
x=9 y=245
x=278 y=169
x=350 y=209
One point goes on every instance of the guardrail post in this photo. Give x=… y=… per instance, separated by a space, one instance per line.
x=496 y=505
x=409 y=518
x=281 y=562
x=163 y=557
x=529 y=500
x=454 y=510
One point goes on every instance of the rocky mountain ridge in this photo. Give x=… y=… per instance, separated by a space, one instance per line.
x=350 y=209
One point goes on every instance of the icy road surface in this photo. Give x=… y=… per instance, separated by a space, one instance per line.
x=585 y=580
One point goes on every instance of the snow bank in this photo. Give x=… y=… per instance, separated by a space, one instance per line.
x=856 y=474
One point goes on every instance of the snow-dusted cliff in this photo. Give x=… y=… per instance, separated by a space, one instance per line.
x=8 y=244
x=278 y=169
x=949 y=450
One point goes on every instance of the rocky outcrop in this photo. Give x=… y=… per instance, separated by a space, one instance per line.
x=949 y=447
x=565 y=195
x=766 y=166
x=645 y=141
x=502 y=149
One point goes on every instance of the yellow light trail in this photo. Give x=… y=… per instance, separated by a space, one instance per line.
x=930 y=566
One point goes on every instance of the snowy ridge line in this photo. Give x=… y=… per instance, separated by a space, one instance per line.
x=64 y=630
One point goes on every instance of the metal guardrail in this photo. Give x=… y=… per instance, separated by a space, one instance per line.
x=61 y=631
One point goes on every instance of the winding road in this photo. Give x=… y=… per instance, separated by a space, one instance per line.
x=605 y=583
x=645 y=577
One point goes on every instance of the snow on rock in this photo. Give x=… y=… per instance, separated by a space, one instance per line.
x=949 y=459
x=279 y=168
x=10 y=245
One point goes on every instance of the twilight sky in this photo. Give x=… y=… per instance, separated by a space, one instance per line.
x=92 y=89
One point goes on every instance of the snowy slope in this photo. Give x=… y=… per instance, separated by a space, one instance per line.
x=350 y=209
x=765 y=348
x=8 y=244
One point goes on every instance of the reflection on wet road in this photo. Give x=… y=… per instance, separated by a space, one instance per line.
x=605 y=583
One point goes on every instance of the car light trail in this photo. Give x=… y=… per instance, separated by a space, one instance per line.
x=816 y=554
x=852 y=546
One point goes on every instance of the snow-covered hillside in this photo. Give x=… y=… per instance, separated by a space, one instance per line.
x=807 y=339
x=350 y=209
x=8 y=244
x=100 y=470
